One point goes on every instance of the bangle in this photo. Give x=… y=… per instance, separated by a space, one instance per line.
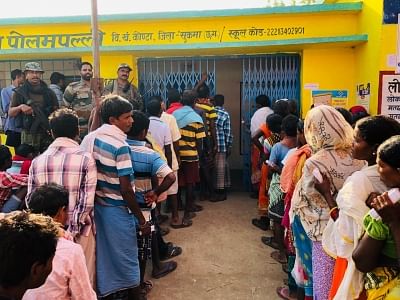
x=334 y=213
x=333 y=209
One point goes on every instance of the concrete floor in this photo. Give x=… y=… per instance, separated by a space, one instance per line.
x=223 y=257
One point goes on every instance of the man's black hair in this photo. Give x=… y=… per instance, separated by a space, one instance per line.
x=274 y=122
x=154 y=108
x=377 y=129
x=203 y=91
x=289 y=125
x=293 y=107
x=48 y=199
x=219 y=100
x=346 y=114
x=189 y=97
x=56 y=77
x=300 y=126
x=25 y=239
x=24 y=150
x=140 y=122
x=15 y=73
x=173 y=96
x=114 y=106
x=85 y=63
x=156 y=97
x=64 y=122
x=5 y=155
x=263 y=100
x=389 y=151
x=281 y=107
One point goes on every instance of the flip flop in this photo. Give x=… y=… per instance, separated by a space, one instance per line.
x=172 y=252
x=277 y=256
x=146 y=286
x=284 y=293
x=269 y=241
x=185 y=223
x=168 y=268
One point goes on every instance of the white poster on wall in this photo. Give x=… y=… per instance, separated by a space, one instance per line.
x=390 y=96
x=363 y=95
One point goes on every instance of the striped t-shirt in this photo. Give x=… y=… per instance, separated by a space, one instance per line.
x=146 y=164
x=113 y=160
x=190 y=135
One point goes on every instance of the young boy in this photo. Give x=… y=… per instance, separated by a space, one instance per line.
x=27 y=247
x=69 y=278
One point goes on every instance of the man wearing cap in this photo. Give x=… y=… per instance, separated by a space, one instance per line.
x=34 y=101
x=78 y=97
x=122 y=87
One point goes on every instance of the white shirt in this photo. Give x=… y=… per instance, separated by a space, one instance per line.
x=160 y=132
x=175 y=135
x=259 y=118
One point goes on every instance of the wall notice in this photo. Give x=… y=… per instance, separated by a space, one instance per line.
x=389 y=95
x=363 y=95
x=339 y=98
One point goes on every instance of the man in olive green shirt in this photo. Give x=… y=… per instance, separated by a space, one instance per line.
x=122 y=87
x=78 y=97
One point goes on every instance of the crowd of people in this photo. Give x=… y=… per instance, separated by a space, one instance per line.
x=329 y=187
x=92 y=182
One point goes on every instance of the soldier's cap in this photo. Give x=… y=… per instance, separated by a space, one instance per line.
x=124 y=65
x=33 y=66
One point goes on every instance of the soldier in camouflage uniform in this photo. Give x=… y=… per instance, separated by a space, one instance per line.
x=78 y=97
x=122 y=87
x=32 y=103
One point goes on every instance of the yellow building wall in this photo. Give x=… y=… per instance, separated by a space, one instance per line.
x=329 y=69
x=367 y=55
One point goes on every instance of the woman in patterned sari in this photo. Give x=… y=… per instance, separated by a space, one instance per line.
x=330 y=138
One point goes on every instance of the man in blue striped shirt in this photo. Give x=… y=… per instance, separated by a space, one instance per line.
x=148 y=164
x=115 y=209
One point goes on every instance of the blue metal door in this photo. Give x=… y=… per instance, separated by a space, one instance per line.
x=275 y=75
x=157 y=75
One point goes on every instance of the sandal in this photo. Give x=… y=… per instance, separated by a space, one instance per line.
x=185 y=223
x=172 y=252
x=276 y=255
x=168 y=268
x=269 y=241
x=284 y=293
x=146 y=286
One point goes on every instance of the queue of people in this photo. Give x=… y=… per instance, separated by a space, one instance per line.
x=318 y=192
x=101 y=192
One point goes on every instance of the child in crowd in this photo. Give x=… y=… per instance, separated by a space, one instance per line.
x=276 y=204
x=69 y=278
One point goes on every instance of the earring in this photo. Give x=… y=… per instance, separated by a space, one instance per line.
x=374 y=153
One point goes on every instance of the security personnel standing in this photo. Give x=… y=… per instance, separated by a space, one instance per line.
x=122 y=87
x=78 y=97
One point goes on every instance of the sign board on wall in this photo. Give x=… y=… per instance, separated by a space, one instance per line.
x=389 y=94
x=338 y=98
x=363 y=95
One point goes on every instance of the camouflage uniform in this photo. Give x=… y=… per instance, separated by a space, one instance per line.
x=130 y=93
x=78 y=97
